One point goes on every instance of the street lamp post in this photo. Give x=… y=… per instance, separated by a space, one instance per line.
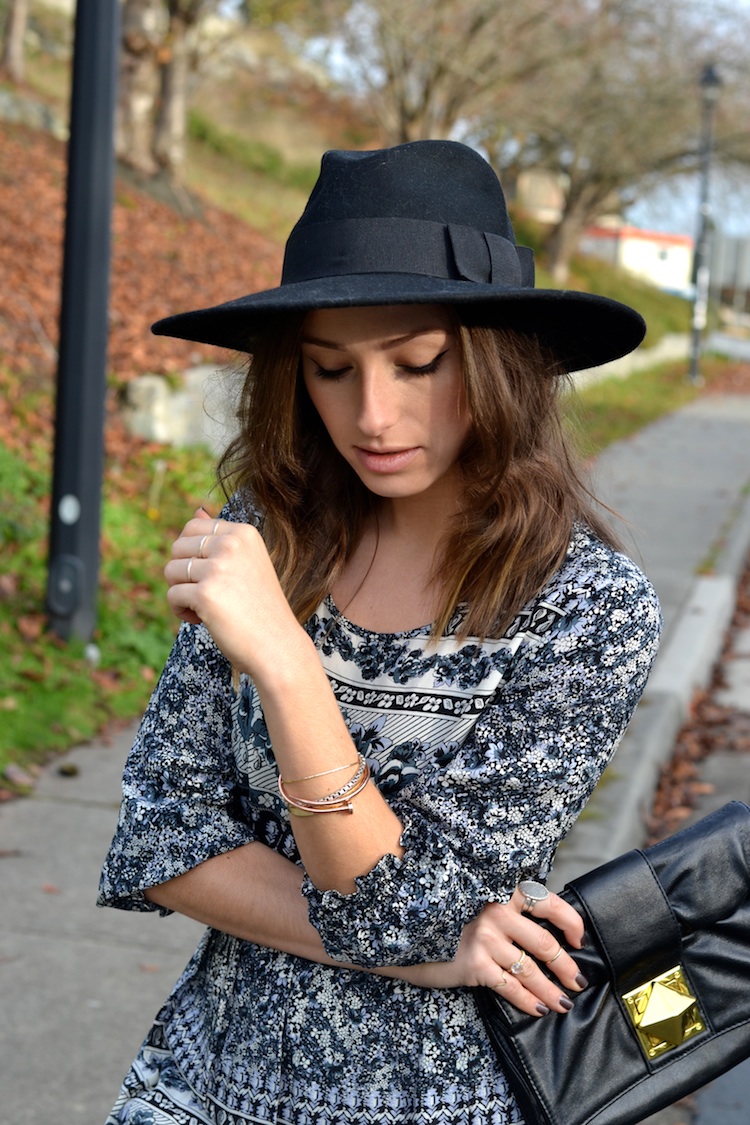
x=81 y=376
x=710 y=84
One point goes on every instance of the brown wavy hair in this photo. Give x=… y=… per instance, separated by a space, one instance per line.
x=524 y=487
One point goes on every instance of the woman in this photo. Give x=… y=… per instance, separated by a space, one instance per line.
x=410 y=648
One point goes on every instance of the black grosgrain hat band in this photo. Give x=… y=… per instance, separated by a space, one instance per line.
x=408 y=246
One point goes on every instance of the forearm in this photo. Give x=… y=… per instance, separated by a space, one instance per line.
x=309 y=736
x=252 y=893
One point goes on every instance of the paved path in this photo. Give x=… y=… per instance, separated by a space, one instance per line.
x=80 y=986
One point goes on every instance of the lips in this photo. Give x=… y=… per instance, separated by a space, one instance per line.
x=386 y=461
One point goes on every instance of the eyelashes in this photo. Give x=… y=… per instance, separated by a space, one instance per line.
x=333 y=374
x=428 y=368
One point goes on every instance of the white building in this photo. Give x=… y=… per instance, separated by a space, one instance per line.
x=664 y=260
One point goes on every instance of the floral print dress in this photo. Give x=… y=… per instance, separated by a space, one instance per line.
x=486 y=750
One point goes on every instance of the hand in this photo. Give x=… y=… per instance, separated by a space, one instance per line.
x=502 y=936
x=220 y=575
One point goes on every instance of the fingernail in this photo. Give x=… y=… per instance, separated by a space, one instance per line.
x=543 y=1009
x=581 y=981
x=584 y=942
x=566 y=1004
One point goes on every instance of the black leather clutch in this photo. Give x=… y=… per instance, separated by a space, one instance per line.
x=668 y=1003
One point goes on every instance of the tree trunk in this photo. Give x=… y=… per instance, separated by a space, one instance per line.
x=581 y=208
x=143 y=30
x=13 y=39
x=171 y=124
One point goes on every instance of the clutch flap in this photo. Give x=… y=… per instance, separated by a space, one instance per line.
x=635 y=928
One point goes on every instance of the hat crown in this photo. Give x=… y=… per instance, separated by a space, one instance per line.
x=439 y=181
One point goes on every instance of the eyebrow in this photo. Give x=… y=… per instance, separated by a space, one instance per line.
x=391 y=343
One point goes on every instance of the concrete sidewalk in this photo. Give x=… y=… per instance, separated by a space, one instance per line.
x=80 y=986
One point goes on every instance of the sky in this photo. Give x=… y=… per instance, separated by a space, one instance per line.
x=674 y=208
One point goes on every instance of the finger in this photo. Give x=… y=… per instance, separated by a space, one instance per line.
x=551 y=908
x=546 y=950
x=529 y=990
x=194 y=540
x=535 y=987
x=185 y=571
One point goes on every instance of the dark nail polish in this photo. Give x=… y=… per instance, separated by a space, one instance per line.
x=581 y=981
x=543 y=1009
x=584 y=942
x=566 y=1004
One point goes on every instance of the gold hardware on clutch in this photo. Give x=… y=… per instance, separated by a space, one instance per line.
x=664 y=1013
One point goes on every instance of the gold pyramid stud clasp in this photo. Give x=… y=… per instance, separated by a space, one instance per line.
x=664 y=1012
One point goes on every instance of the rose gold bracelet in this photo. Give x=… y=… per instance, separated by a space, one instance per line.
x=323 y=773
x=299 y=807
x=338 y=794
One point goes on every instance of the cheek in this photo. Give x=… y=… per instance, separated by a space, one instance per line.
x=328 y=405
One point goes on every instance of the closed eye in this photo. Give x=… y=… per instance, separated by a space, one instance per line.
x=331 y=373
x=428 y=368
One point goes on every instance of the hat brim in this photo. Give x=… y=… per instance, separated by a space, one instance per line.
x=582 y=329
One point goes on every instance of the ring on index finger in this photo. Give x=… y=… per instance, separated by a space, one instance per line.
x=204 y=540
x=532 y=893
x=190 y=570
x=215 y=527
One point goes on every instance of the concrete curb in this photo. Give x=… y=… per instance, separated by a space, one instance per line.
x=614 y=820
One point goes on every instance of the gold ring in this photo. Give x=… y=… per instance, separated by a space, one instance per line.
x=517 y=966
x=216 y=527
x=204 y=540
x=190 y=570
x=555 y=957
x=503 y=983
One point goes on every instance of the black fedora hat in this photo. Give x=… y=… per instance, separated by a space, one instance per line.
x=420 y=223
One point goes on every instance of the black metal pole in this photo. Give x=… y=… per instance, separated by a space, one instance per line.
x=81 y=377
x=710 y=86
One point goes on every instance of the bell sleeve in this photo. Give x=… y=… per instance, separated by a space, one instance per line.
x=493 y=810
x=180 y=779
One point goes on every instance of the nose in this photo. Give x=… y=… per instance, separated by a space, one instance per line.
x=378 y=401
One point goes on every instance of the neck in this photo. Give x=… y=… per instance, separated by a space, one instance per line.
x=422 y=519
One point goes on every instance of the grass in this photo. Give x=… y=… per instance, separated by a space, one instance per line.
x=51 y=696
x=614 y=409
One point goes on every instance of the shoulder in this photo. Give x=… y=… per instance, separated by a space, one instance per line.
x=599 y=598
x=594 y=568
x=242 y=508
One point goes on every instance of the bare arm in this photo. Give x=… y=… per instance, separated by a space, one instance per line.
x=253 y=893
x=234 y=592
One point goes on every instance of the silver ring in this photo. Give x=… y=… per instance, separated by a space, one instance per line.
x=533 y=893
x=190 y=570
x=204 y=540
x=517 y=966
x=216 y=527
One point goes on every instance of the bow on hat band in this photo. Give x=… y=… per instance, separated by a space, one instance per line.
x=406 y=246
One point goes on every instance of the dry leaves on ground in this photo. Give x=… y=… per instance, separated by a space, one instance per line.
x=161 y=263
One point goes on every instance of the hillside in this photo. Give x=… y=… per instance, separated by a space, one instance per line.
x=161 y=262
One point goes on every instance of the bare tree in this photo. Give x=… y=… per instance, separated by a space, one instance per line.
x=176 y=64
x=156 y=63
x=617 y=112
x=144 y=28
x=14 y=35
x=431 y=68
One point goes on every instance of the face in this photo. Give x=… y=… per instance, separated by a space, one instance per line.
x=388 y=386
